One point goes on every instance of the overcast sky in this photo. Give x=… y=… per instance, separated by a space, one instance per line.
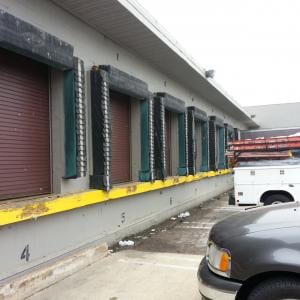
x=254 y=45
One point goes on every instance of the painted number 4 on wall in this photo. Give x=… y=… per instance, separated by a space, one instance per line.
x=25 y=253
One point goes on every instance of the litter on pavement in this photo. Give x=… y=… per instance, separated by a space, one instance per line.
x=126 y=243
x=184 y=215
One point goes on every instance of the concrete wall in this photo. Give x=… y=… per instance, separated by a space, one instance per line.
x=52 y=236
x=272 y=116
x=49 y=237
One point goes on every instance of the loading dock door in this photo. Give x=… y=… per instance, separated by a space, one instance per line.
x=120 y=108
x=24 y=127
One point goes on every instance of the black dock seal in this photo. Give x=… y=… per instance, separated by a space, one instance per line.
x=124 y=83
x=23 y=38
x=172 y=103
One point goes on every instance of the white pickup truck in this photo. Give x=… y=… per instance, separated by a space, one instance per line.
x=266 y=184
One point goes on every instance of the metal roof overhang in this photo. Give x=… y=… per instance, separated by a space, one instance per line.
x=128 y=24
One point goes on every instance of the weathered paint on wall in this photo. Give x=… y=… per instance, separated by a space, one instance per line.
x=52 y=236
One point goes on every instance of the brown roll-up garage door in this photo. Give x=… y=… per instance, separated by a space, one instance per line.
x=24 y=127
x=120 y=108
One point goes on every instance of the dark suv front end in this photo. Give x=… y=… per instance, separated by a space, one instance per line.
x=214 y=283
x=258 y=243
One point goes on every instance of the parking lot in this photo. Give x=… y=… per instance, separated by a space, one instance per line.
x=161 y=265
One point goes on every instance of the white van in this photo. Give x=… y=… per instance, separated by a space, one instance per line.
x=266 y=184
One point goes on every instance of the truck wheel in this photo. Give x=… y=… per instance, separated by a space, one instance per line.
x=277 y=289
x=276 y=199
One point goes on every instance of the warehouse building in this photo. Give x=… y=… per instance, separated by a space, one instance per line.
x=107 y=127
x=274 y=120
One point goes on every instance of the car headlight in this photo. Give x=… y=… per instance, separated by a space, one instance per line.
x=219 y=259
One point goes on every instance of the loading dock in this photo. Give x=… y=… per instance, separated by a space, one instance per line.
x=87 y=55
x=163 y=261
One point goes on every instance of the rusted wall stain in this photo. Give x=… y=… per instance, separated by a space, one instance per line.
x=47 y=274
x=30 y=211
x=131 y=189
x=24 y=283
x=175 y=180
x=103 y=248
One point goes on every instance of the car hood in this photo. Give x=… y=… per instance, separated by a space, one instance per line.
x=257 y=219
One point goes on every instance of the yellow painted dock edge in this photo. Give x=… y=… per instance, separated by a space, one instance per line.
x=69 y=202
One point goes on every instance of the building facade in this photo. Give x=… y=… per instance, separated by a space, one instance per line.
x=274 y=120
x=107 y=127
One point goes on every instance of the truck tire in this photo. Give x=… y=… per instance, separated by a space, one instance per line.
x=231 y=199
x=276 y=199
x=280 y=288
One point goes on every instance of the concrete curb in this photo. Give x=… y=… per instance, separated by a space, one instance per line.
x=30 y=283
